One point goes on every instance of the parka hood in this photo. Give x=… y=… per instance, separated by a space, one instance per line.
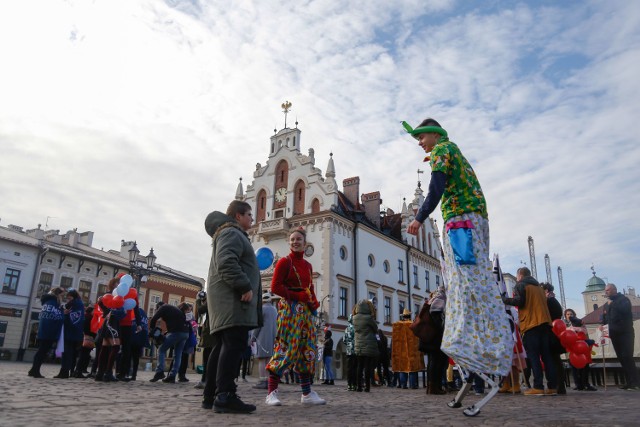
x=363 y=307
x=215 y=220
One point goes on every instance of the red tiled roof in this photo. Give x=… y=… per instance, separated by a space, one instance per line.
x=595 y=317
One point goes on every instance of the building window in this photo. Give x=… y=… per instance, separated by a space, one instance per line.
x=415 y=277
x=437 y=281
x=344 y=302
x=141 y=298
x=84 y=289
x=315 y=206
x=400 y=271
x=44 y=286
x=371 y=260
x=387 y=310
x=11 y=279
x=416 y=310
x=102 y=289
x=374 y=300
x=152 y=305
x=66 y=282
x=401 y=308
x=426 y=280
x=343 y=253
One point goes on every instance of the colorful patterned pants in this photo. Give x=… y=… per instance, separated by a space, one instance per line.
x=295 y=345
x=477 y=335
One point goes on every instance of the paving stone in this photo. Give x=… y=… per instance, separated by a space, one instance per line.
x=26 y=401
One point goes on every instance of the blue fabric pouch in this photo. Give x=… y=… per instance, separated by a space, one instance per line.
x=461 y=240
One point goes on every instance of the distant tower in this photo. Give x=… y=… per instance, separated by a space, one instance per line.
x=561 y=285
x=532 y=257
x=547 y=266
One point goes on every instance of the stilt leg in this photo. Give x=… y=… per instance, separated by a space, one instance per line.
x=474 y=409
x=466 y=385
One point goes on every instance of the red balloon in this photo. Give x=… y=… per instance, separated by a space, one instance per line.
x=107 y=299
x=582 y=335
x=559 y=327
x=117 y=302
x=580 y=347
x=133 y=294
x=578 y=361
x=567 y=338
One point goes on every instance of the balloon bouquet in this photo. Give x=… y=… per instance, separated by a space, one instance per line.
x=123 y=296
x=574 y=343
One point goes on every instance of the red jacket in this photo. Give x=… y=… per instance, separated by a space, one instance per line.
x=292 y=280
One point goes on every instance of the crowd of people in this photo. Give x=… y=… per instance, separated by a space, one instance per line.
x=496 y=340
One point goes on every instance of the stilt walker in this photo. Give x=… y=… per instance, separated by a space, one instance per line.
x=477 y=333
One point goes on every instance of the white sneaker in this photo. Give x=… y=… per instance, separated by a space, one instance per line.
x=312 y=399
x=272 y=399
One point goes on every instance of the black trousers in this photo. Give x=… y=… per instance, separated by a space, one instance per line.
x=126 y=334
x=71 y=351
x=43 y=348
x=352 y=370
x=436 y=367
x=623 y=346
x=83 y=360
x=384 y=375
x=206 y=352
x=222 y=365
x=365 y=370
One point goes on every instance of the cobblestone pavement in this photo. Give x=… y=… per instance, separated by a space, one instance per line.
x=25 y=401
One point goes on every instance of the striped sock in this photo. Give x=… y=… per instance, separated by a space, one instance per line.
x=305 y=383
x=272 y=383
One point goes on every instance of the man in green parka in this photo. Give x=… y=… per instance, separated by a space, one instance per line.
x=233 y=293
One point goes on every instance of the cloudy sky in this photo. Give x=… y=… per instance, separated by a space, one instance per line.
x=134 y=119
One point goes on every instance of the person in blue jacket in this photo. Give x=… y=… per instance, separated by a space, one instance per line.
x=73 y=332
x=49 y=327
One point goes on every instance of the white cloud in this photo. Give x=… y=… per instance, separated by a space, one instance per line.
x=135 y=119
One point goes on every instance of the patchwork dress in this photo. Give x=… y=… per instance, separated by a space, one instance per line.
x=477 y=335
x=295 y=344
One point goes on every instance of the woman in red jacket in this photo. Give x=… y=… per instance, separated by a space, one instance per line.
x=295 y=345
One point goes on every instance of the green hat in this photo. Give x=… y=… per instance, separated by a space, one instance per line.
x=423 y=129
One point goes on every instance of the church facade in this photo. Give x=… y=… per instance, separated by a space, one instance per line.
x=357 y=251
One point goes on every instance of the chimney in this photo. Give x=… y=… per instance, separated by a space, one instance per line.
x=38 y=233
x=124 y=248
x=86 y=238
x=372 y=203
x=351 y=188
x=71 y=238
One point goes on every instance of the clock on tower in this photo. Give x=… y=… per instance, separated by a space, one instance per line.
x=281 y=195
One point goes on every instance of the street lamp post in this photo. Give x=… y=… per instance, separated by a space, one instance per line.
x=137 y=269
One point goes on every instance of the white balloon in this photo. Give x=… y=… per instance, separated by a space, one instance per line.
x=115 y=292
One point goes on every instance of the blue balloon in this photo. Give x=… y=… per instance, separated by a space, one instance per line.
x=122 y=289
x=129 y=304
x=265 y=257
x=126 y=280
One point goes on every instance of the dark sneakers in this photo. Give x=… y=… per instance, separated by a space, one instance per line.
x=158 y=376
x=170 y=379
x=207 y=403
x=231 y=403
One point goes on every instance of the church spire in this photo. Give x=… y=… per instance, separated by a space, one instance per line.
x=331 y=169
x=239 y=191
